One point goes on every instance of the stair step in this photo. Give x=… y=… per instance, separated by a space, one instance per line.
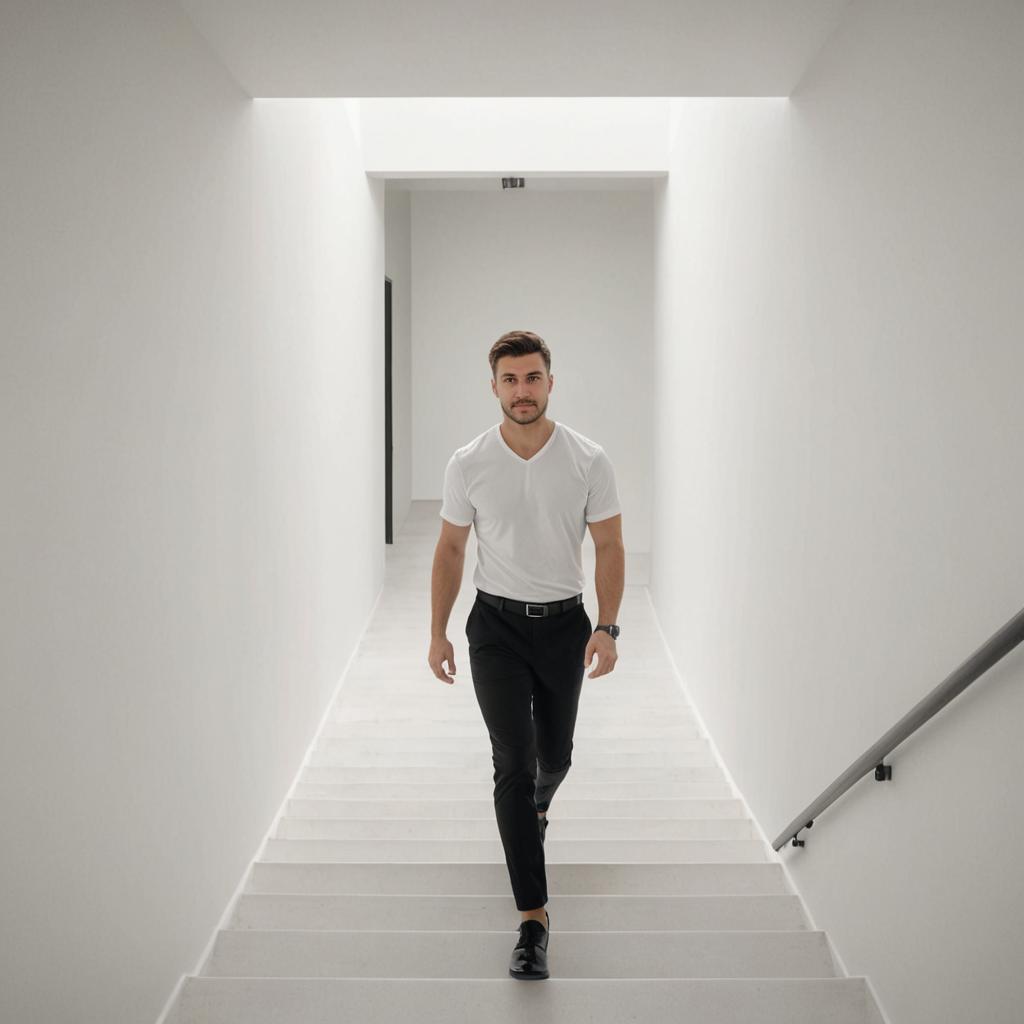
x=343 y=754
x=386 y=662
x=412 y=677
x=411 y=912
x=442 y=711
x=483 y=771
x=445 y=954
x=482 y=789
x=491 y=879
x=566 y=808
x=342 y=736
x=652 y=730
x=658 y=700
x=398 y=669
x=457 y=851
x=562 y=828
x=459 y=1001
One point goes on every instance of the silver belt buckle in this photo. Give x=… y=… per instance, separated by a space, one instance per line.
x=541 y=615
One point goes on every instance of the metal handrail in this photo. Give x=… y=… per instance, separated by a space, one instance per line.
x=997 y=646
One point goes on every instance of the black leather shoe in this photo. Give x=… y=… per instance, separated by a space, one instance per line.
x=530 y=957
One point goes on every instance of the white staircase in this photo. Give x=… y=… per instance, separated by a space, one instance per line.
x=384 y=894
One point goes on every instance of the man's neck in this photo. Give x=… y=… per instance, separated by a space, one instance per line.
x=527 y=438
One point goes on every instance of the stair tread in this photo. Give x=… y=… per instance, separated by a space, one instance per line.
x=458 y=1001
x=603 y=954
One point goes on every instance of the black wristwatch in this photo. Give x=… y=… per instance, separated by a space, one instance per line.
x=612 y=631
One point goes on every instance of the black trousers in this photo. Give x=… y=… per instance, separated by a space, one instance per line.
x=527 y=674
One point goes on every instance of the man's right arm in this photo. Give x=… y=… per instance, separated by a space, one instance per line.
x=445 y=583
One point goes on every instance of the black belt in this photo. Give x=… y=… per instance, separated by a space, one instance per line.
x=529 y=608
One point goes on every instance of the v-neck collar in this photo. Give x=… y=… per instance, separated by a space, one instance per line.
x=536 y=455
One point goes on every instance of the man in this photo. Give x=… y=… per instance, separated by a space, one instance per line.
x=530 y=486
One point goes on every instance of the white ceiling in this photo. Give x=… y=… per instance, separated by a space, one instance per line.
x=364 y=48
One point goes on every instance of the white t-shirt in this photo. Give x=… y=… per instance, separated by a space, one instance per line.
x=530 y=515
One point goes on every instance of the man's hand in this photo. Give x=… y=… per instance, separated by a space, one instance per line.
x=441 y=651
x=603 y=646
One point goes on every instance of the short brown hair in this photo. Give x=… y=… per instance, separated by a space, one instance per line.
x=518 y=343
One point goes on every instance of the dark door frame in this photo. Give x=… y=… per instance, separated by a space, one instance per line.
x=389 y=526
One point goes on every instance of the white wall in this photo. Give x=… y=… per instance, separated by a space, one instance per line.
x=398 y=266
x=191 y=294
x=576 y=268
x=601 y=136
x=839 y=496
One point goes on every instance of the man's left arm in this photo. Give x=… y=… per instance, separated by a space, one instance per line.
x=609 y=581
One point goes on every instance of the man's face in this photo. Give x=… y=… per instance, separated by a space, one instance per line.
x=522 y=385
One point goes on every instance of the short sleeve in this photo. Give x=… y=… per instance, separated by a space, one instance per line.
x=455 y=503
x=602 y=496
